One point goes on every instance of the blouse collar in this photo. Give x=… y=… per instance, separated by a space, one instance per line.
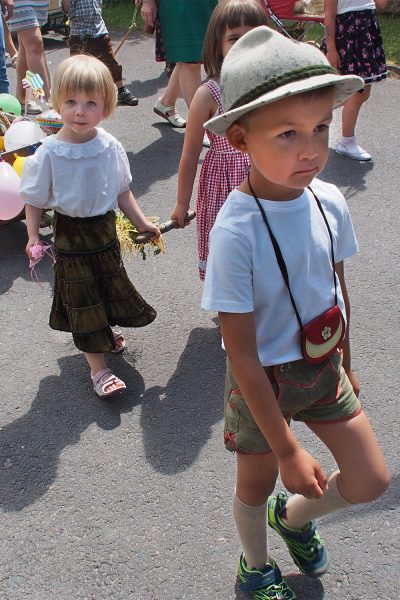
x=69 y=150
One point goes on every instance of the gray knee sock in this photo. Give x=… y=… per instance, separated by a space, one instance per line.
x=300 y=510
x=251 y=523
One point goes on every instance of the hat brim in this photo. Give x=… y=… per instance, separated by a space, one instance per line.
x=345 y=86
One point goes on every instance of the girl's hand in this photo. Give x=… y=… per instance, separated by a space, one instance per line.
x=31 y=242
x=302 y=474
x=334 y=58
x=147 y=226
x=179 y=214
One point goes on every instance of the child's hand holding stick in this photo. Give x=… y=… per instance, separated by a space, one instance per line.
x=164 y=227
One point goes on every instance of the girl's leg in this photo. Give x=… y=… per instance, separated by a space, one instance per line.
x=362 y=475
x=351 y=109
x=256 y=477
x=32 y=41
x=96 y=362
x=22 y=67
x=99 y=370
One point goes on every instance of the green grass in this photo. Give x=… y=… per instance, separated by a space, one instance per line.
x=118 y=14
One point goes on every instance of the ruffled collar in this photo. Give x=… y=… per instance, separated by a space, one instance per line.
x=95 y=146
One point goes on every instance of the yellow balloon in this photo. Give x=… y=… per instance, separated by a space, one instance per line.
x=18 y=164
x=1 y=143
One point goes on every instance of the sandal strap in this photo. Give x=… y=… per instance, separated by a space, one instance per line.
x=96 y=378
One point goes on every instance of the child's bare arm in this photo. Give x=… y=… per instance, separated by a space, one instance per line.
x=346 y=342
x=127 y=203
x=33 y=217
x=202 y=107
x=300 y=472
x=330 y=33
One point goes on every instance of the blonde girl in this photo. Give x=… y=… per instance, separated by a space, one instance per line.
x=223 y=168
x=83 y=174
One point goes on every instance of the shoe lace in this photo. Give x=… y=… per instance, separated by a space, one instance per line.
x=273 y=592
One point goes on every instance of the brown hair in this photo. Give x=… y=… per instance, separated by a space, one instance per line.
x=228 y=14
x=85 y=74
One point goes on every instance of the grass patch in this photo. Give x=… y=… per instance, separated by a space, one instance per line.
x=118 y=15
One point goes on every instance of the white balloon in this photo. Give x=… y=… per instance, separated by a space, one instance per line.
x=22 y=133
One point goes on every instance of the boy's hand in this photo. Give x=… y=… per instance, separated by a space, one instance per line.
x=302 y=474
x=31 y=242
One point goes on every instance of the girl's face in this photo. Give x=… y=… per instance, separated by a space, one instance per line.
x=81 y=113
x=231 y=36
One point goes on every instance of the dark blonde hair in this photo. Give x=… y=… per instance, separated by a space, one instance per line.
x=228 y=14
x=83 y=73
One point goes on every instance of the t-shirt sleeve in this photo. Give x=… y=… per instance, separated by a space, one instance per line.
x=124 y=171
x=346 y=244
x=228 y=284
x=36 y=180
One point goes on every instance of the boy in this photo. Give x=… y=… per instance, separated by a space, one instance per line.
x=275 y=265
x=89 y=35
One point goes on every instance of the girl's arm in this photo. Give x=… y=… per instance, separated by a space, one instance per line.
x=346 y=342
x=202 y=107
x=127 y=203
x=330 y=33
x=300 y=472
x=33 y=217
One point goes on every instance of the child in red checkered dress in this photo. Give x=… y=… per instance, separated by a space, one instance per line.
x=223 y=167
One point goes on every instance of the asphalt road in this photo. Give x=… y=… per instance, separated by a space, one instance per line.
x=131 y=499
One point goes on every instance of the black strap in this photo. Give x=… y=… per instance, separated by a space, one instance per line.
x=278 y=253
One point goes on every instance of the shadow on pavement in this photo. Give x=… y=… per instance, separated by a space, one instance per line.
x=306 y=588
x=347 y=174
x=176 y=420
x=61 y=411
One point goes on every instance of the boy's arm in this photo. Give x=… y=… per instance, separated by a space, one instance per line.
x=300 y=472
x=330 y=33
x=346 y=341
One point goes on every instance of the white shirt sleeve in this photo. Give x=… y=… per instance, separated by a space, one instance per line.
x=36 y=180
x=228 y=285
x=124 y=171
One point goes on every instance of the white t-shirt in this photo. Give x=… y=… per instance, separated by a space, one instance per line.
x=78 y=180
x=344 y=6
x=243 y=274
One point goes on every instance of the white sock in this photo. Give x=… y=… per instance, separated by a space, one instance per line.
x=251 y=524
x=348 y=141
x=300 y=510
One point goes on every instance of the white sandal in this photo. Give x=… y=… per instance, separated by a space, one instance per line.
x=104 y=380
x=173 y=119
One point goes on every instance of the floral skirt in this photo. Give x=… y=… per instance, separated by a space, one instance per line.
x=92 y=291
x=359 y=45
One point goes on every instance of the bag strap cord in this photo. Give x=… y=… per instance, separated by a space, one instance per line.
x=278 y=253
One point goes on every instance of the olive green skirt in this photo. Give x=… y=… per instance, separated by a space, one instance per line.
x=92 y=291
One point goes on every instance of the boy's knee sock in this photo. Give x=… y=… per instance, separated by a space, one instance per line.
x=251 y=523
x=300 y=510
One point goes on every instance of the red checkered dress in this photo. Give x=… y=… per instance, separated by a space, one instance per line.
x=223 y=169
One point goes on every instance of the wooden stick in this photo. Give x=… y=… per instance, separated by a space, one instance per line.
x=164 y=227
x=132 y=26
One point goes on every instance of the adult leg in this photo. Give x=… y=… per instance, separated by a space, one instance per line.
x=189 y=79
x=32 y=41
x=8 y=41
x=165 y=106
x=4 y=84
x=22 y=67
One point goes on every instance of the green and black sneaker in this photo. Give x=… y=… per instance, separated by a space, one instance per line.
x=264 y=584
x=305 y=546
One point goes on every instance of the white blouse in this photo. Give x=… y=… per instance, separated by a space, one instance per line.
x=78 y=180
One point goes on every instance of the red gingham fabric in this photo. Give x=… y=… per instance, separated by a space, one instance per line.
x=223 y=169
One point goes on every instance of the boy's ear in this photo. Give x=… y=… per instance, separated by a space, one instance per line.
x=236 y=137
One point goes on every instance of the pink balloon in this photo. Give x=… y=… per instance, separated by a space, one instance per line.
x=10 y=202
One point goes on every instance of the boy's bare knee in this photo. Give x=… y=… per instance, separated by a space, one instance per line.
x=374 y=486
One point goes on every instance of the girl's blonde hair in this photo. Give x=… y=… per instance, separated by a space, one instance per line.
x=228 y=14
x=83 y=73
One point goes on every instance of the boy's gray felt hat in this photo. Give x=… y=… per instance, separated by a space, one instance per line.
x=264 y=66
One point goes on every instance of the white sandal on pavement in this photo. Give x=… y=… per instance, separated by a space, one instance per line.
x=173 y=118
x=106 y=384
